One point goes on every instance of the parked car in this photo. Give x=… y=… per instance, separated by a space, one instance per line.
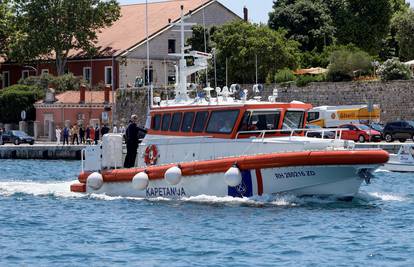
x=360 y=133
x=399 y=130
x=318 y=132
x=16 y=137
x=377 y=127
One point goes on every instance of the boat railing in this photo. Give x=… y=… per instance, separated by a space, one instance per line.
x=292 y=132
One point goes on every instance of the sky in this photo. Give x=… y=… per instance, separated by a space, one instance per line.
x=257 y=12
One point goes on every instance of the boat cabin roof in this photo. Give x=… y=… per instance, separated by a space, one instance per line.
x=231 y=121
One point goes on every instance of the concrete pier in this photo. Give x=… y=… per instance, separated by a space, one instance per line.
x=41 y=151
x=389 y=147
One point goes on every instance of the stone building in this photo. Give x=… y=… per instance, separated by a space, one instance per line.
x=83 y=107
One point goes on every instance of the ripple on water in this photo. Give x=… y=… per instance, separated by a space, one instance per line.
x=44 y=224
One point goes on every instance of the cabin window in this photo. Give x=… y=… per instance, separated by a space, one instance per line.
x=166 y=119
x=176 y=122
x=156 y=122
x=260 y=121
x=187 y=122
x=293 y=120
x=222 y=121
x=313 y=116
x=200 y=121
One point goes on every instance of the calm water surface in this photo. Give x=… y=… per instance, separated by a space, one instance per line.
x=43 y=224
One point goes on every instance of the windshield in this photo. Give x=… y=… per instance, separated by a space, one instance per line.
x=19 y=133
x=363 y=127
x=293 y=120
x=310 y=126
x=411 y=123
x=377 y=127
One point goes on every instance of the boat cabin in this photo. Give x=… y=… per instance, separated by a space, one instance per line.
x=229 y=121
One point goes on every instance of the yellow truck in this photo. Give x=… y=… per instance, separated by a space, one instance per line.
x=334 y=116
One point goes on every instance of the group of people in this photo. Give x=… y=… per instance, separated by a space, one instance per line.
x=83 y=135
x=133 y=135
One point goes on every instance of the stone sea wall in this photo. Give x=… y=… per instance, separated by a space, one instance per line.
x=396 y=98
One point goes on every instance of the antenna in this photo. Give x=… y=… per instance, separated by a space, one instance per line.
x=148 y=59
x=183 y=71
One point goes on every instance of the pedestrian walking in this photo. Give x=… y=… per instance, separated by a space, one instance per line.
x=96 y=139
x=58 y=133
x=133 y=135
x=92 y=135
x=105 y=129
x=75 y=132
x=82 y=134
x=88 y=134
x=114 y=129
x=66 y=135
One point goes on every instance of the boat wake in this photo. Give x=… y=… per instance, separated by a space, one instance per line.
x=382 y=196
x=58 y=189
x=61 y=190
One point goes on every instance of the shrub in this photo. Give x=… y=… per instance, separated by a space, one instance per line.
x=285 y=75
x=304 y=80
x=346 y=64
x=16 y=98
x=393 y=69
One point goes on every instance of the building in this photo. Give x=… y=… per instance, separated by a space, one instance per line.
x=83 y=107
x=122 y=47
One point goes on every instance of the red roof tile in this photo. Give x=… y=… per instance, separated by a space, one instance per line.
x=129 y=30
x=73 y=97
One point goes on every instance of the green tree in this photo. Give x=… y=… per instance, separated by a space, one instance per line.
x=16 y=98
x=364 y=23
x=5 y=27
x=308 y=22
x=54 y=28
x=239 y=43
x=403 y=24
x=345 y=64
x=393 y=69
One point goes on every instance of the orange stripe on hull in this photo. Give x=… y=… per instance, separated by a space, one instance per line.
x=276 y=160
x=78 y=188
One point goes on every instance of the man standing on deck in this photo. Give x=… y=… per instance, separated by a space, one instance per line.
x=133 y=134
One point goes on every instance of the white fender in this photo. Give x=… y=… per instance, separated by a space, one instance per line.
x=95 y=181
x=173 y=175
x=233 y=177
x=140 y=181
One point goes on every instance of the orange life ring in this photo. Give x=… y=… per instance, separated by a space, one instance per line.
x=151 y=155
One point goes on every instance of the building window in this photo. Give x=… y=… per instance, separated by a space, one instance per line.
x=25 y=74
x=108 y=75
x=80 y=116
x=151 y=76
x=45 y=71
x=171 y=46
x=87 y=74
x=6 y=79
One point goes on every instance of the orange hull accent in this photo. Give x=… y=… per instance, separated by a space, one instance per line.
x=276 y=160
x=78 y=188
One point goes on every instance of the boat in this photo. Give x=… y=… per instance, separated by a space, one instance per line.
x=403 y=161
x=226 y=142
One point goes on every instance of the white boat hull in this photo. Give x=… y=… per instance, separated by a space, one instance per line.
x=339 y=181
x=394 y=166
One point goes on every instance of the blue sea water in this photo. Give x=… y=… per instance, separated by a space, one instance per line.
x=43 y=224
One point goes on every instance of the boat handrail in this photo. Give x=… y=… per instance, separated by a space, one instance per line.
x=83 y=159
x=262 y=133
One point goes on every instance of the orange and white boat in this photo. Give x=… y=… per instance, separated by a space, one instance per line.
x=227 y=145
